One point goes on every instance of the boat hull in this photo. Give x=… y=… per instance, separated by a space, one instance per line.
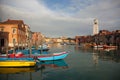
x=98 y=46
x=15 y=63
x=53 y=56
x=106 y=47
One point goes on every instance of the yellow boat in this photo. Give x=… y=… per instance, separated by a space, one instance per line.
x=17 y=63
x=16 y=70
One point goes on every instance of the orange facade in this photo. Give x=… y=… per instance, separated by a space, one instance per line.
x=16 y=30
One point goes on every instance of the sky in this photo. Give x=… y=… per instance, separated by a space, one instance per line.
x=56 y=18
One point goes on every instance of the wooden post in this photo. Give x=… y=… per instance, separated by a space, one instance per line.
x=30 y=48
x=7 y=48
x=13 y=47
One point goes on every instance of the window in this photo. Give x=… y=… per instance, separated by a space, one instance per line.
x=14 y=30
x=14 y=40
x=2 y=29
x=95 y=22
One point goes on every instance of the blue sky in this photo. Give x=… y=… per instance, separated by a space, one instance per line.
x=56 y=18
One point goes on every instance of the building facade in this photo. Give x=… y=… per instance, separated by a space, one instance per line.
x=28 y=35
x=37 y=39
x=16 y=30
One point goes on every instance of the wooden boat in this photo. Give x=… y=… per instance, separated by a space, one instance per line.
x=17 y=62
x=53 y=56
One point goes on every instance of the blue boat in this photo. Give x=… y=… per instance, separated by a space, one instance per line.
x=42 y=57
x=53 y=56
x=27 y=51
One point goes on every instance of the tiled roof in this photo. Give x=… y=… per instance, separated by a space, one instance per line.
x=13 y=22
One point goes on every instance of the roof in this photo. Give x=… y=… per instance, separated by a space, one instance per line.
x=12 y=22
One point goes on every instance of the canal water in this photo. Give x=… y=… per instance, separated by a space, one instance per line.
x=80 y=64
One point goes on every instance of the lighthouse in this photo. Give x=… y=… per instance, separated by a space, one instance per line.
x=95 y=26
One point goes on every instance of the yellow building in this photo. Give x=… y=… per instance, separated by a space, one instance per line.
x=17 y=32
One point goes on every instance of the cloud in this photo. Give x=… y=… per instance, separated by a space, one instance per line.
x=76 y=18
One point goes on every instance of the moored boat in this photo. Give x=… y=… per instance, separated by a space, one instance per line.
x=98 y=46
x=43 y=47
x=41 y=57
x=106 y=46
x=53 y=56
x=17 y=62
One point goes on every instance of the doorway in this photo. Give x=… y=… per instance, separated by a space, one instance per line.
x=2 y=42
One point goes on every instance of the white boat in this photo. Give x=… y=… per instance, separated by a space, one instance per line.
x=43 y=47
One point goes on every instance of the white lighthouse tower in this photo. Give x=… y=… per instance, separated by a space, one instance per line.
x=95 y=27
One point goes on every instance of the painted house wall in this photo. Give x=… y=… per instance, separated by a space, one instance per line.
x=16 y=30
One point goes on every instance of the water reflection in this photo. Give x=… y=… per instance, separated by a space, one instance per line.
x=102 y=54
x=40 y=66
x=16 y=70
x=16 y=73
x=109 y=54
x=82 y=64
x=95 y=58
x=38 y=69
x=54 y=64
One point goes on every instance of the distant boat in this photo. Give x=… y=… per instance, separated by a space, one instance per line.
x=43 y=47
x=106 y=47
x=98 y=46
x=53 y=56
